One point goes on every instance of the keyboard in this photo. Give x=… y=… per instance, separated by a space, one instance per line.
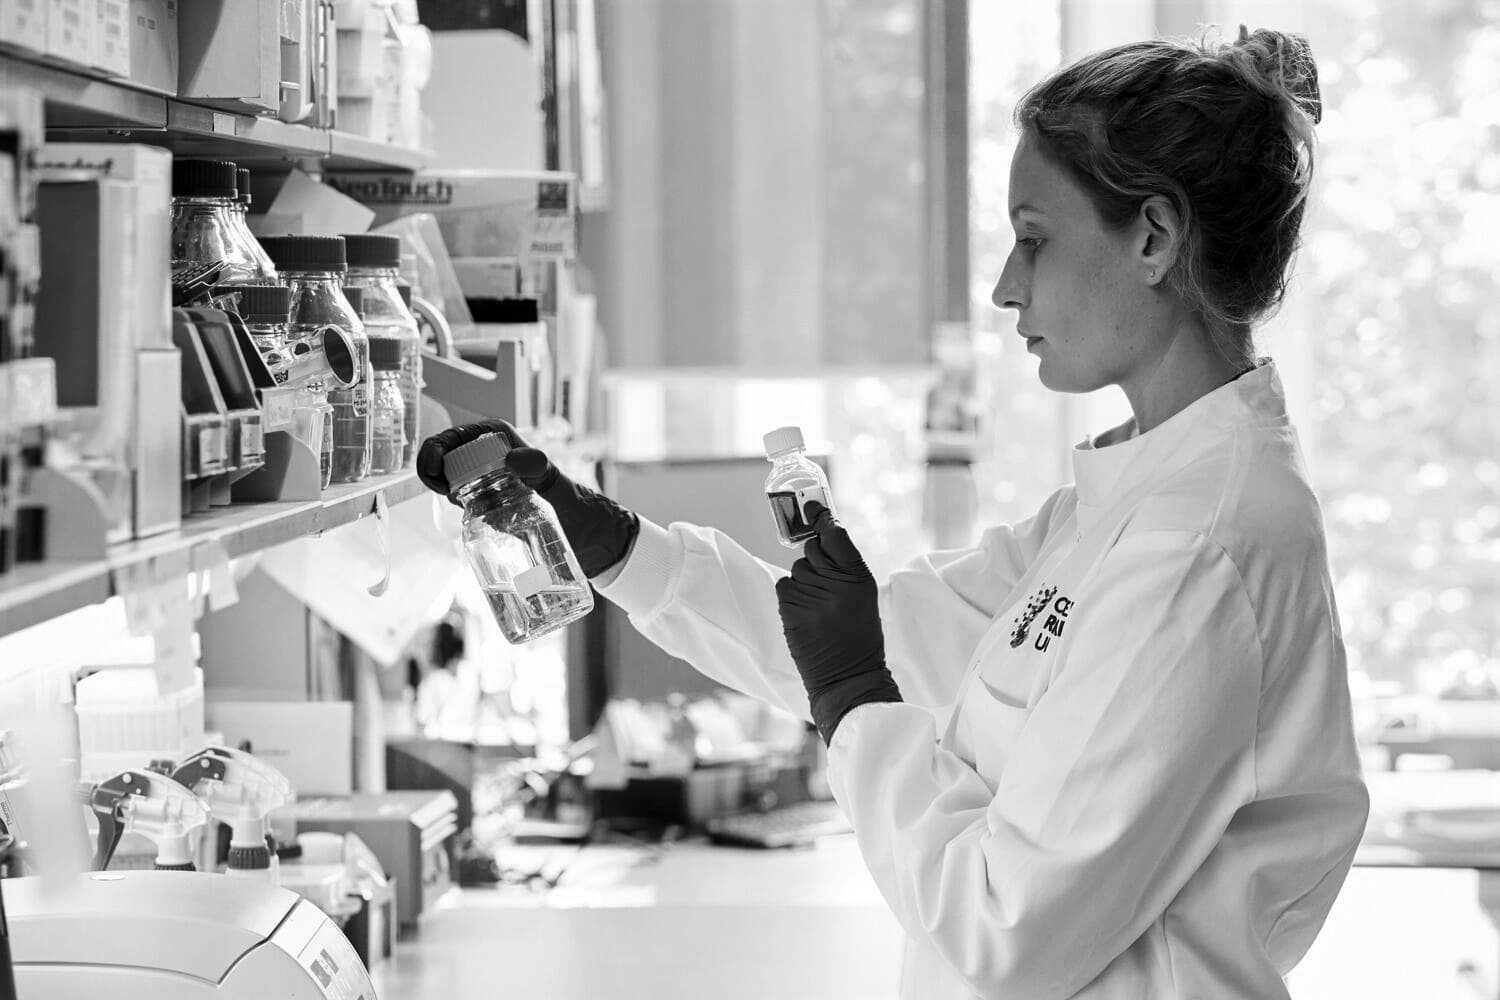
x=787 y=826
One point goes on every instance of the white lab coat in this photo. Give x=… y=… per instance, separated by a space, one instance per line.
x=1144 y=786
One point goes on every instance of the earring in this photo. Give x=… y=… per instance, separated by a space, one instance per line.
x=1153 y=274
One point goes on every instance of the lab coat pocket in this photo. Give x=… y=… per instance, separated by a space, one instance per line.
x=995 y=711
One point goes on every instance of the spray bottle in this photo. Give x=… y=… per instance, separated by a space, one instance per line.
x=240 y=791
x=154 y=806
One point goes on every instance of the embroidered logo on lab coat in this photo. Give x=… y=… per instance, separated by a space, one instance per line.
x=1057 y=610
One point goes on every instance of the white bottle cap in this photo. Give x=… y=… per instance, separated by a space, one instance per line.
x=782 y=439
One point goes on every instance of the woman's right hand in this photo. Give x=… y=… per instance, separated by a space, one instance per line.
x=599 y=530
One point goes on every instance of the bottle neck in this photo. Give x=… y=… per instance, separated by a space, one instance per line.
x=376 y=275
x=491 y=490
x=321 y=278
x=789 y=457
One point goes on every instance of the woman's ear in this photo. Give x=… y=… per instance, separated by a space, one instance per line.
x=1159 y=237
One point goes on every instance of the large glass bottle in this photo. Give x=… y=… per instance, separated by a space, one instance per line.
x=205 y=226
x=265 y=309
x=795 y=480
x=375 y=266
x=515 y=545
x=313 y=268
x=241 y=217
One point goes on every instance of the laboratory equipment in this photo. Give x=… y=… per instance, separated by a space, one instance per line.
x=205 y=226
x=795 y=825
x=515 y=544
x=247 y=449
x=151 y=805
x=205 y=419
x=794 y=482
x=183 y=935
x=387 y=408
x=313 y=267
x=410 y=832
x=375 y=266
x=240 y=790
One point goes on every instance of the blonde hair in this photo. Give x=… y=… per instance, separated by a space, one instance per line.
x=1223 y=131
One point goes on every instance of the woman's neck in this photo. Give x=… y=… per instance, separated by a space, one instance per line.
x=1189 y=367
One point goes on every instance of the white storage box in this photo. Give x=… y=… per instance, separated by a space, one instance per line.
x=123 y=722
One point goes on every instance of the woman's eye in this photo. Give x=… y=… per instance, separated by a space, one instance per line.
x=1029 y=241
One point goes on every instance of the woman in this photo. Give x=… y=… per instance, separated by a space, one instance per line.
x=1108 y=752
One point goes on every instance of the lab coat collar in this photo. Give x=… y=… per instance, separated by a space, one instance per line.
x=1106 y=467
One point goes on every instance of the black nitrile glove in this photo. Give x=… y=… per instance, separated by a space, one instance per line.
x=830 y=613
x=599 y=530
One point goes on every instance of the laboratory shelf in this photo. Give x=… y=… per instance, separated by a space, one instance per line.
x=79 y=98
x=87 y=105
x=35 y=593
x=347 y=151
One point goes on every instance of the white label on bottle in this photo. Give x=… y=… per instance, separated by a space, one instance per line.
x=808 y=494
x=532 y=581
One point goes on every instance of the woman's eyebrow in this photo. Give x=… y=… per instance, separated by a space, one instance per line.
x=1025 y=207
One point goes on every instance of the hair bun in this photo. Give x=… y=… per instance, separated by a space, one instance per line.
x=1285 y=61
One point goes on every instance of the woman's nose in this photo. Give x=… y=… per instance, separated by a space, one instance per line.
x=1009 y=292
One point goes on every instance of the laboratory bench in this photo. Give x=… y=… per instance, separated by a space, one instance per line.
x=689 y=920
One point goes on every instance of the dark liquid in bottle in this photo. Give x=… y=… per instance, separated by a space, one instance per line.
x=789 y=520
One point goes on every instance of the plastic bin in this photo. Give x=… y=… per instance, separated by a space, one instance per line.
x=123 y=722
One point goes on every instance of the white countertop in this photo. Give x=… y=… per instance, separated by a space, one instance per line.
x=691 y=921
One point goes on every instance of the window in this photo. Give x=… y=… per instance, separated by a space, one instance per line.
x=1389 y=341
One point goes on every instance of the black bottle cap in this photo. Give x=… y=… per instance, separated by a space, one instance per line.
x=249 y=859
x=204 y=179
x=265 y=303
x=311 y=253
x=242 y=185
x=274 y=246
x=373 y=249
x=356 y=298
x=385 y=353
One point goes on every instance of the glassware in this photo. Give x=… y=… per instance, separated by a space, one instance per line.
x=794 y=481
x=387 y=409
x=240 y=214
x=515 y=545
x=313 y=267
x=205 y=226
x=266 y=309
x=375 y=266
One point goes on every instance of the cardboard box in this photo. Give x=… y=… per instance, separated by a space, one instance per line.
x=88 y=238
x=311 y=742
x=23 y=23
x=112 y=40
x=71 y=31
x=153 y=44
x=481 y=213
x=149 y=170
x=230 y=50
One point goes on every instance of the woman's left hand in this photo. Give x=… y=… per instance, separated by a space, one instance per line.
x=830 y=614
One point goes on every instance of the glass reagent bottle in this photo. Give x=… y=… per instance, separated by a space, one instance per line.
x=795 y=480
x=515 y=545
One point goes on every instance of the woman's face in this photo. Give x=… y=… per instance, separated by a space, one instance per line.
x=1075 y=285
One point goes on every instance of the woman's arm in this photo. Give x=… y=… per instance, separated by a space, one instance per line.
x=1122 y=779
x=698 y=595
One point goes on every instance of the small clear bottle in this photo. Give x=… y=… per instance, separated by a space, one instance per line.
x=205 y=224
x=265 y=309
x=387 y=408
x=794 y=481
x=313 y=267
x=515 y=544
x=375 y=266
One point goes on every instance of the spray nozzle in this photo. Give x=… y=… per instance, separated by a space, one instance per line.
x=151 y=804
